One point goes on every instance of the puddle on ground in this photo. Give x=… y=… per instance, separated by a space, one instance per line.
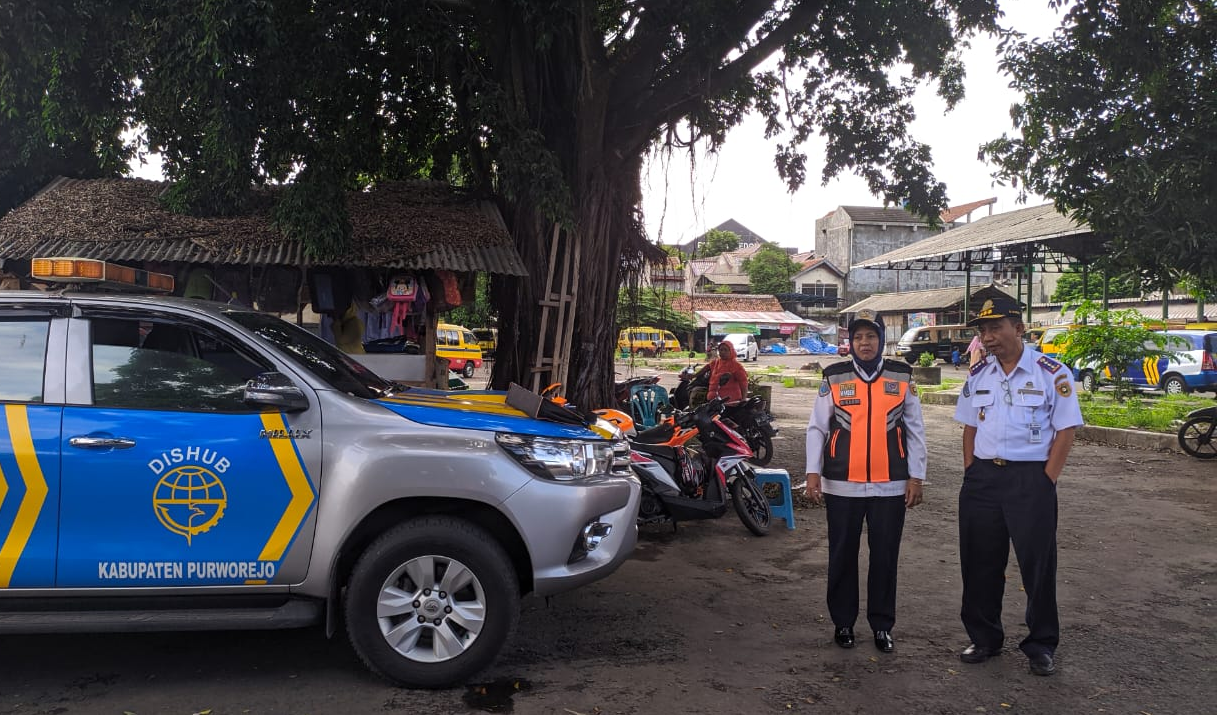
x=495 y=697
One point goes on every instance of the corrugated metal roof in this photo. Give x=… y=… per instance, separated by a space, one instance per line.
x=396 y=225
x=744 y=316
x=1031 y=225
x=873 y=214
x=922 y=300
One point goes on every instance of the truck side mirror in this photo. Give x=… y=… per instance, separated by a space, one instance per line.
x=275 y=390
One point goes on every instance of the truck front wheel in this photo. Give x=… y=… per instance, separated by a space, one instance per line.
x=431 y=602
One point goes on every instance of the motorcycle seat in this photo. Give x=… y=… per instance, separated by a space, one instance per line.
x=656 y=435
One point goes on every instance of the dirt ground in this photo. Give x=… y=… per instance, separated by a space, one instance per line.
x=708 y=619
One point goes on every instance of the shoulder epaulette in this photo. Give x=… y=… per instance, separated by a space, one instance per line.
x=1048 y=364
x=839 y=367
x=980 y=365
x=897 y=366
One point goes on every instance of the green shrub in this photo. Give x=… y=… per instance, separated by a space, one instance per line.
x=925 y=360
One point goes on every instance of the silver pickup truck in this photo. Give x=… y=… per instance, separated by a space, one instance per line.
x=168 y=464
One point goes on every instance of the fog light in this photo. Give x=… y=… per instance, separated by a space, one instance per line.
x=589 y=539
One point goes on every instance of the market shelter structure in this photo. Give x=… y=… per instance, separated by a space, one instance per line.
x=420 y=230
x=1013 y=241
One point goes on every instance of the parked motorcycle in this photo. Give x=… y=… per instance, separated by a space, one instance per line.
x=622 y=389
x=691 y=379
x=681 y=482
x=1197 y=433
x=755 y=423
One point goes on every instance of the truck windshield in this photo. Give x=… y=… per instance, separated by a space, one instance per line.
x=326 y=362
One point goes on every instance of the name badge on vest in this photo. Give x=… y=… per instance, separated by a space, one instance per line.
x=848 y=389
x=891 y=387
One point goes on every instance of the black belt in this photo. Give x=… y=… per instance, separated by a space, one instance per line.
x=999 y=462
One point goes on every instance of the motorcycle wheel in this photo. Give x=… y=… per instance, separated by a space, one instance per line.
x=762 y=448
x=1196 y=437
x=751 y=505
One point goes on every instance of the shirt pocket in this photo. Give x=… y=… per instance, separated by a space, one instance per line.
x=982 y=399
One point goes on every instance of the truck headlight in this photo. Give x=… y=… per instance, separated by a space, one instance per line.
x=567 y=460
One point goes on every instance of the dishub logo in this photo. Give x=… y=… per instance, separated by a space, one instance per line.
x=189 y=499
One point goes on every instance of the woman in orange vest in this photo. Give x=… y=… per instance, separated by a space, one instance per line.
x=866 y=460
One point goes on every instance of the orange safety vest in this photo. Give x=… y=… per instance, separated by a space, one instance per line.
x=866 y=435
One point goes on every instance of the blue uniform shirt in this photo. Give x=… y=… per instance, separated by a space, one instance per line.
x=1016 y=416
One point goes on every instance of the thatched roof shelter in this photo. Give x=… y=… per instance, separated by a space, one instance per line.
x=410 y=225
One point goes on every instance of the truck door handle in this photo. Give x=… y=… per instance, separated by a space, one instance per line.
x=89 y=442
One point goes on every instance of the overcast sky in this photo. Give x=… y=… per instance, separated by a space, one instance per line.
x=742 y=183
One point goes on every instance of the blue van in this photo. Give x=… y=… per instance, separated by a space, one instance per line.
x=1192 y=370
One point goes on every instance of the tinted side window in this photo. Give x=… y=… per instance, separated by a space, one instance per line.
x=163 y=366
x=23 y=355
x=469 y=338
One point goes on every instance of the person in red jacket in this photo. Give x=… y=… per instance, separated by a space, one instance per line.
x=736 y=388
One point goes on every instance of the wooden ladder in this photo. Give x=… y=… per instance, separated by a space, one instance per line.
x=557 y=311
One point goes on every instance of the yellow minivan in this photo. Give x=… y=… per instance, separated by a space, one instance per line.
x=647 y=341
x=460 y=347
x=1054 y=339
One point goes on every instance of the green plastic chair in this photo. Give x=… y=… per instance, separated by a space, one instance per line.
x=646 y=403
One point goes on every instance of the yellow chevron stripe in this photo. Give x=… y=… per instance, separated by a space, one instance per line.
x=297 y=482
x=35 y=491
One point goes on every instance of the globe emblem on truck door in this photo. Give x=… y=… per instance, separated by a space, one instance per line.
x=189 y=500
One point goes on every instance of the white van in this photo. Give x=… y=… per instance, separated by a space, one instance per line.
x=746 y=347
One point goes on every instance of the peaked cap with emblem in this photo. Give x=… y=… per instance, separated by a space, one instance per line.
x=996 y=309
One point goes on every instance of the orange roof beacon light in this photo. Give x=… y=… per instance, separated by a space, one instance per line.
x=92 y=270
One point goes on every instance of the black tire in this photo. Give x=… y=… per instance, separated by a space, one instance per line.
x=762 y=447
x=1174 y=385
x=1196 y=438
x=751 y=505
x=397 y=563
x=1088 y=381
x=469 y=369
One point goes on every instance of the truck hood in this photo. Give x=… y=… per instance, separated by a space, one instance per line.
x=483 y=410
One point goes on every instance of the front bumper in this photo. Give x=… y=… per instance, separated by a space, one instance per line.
x=552 y=518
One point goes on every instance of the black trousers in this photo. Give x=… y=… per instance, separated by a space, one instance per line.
x=884 y=518
x=997 y=505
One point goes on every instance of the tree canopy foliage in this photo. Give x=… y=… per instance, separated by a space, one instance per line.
x=653 y=307
x=551 y=105
x=1071 y=288
x=715 y=242
x=1119 y=128
x=770 y=270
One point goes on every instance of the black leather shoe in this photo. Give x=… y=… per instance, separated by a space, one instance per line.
x=1042 y=664
x=844 y=636
x=975 y=654
x=884 y=642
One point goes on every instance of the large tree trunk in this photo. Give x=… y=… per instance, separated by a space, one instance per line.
x=605 y=195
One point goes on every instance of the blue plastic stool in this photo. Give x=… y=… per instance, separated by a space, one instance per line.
x=783 y=504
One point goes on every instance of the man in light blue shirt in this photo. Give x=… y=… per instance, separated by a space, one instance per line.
x=1019 y=410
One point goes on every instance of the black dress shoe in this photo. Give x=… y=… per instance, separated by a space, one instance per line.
x=1042 y=664
x=884 y=642
x=975 y=654
x=844 y=636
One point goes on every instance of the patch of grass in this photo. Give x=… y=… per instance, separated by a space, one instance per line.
x=1144 y=412
x=787 y=382
x=774 y=369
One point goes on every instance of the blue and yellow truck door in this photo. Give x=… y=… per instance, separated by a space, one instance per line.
x=156 y=496
x=31 y=393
